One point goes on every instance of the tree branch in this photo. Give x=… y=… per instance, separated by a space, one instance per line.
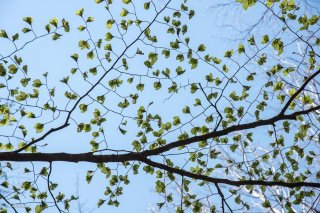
x=89 y=157
x=227 y=131
x=3 y=197
x=298 y=91
x=223 y=200
x=229 y=182
x=48 y=182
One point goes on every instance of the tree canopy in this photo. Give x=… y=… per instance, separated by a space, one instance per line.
x=140 y=93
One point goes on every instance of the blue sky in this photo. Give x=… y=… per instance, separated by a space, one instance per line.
x=46 y=56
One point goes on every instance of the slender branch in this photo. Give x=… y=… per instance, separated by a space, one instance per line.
x=29 y=42
x=223 y=200
x=14 y=209
x=298 y=92
x=48 y=181
x=214 y=106
x=42 y=137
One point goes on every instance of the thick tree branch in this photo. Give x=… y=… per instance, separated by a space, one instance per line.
x=67 y=157
x=126 y=157
x=89 y=157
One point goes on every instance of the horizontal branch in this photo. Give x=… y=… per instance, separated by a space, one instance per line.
x=66 y=157
x=165 y=148
x=91 y=158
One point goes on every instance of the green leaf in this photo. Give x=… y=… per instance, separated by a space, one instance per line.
x=39 y=127
x=140 y=87
x=80 y=12
x=265 y=39
x=176 y=120
x=136 y=145
x=12 y=69
x=241 y=49
x=157 y=85
x=109 y=24
x=146 y=5
x=37 y=83
x=90 y=55
x=54 y=22
x=26 y=30
x=186 y=110
x=90 y=19
x=83 y=44
x=93 y=71
x=65 y=25
x=28 y=20
x=22 y=96
x=124 y=12
x=89 y=176
x=75 y=57
x=247 y=3
x=234 y=147
x=193 y=62
x=15 y=37
x=278 y=86
x=122 y=131
x=100 y=202
x=191 y=14
x=48 y=28
x=38 y=209
x=201 y=48
x=228 y=54
x=3 y=34
x=277 y=44
x=101 y=99
x=109 y=36
x=166 y=53
x=56 y=36
x=251 y=40
x=83 y=107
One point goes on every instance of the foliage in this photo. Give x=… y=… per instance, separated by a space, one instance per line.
x=147 y=97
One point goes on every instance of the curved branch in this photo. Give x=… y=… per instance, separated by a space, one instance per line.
x=230 y=182
x=3 y=197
